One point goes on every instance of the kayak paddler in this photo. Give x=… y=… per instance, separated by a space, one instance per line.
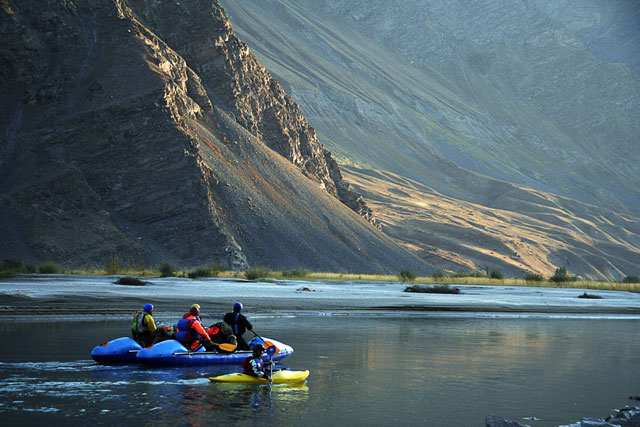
x=191 y=333
x=143 y=326
x=254 y=365
x=239 y=323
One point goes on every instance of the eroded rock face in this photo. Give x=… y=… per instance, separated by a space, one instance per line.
x=233 y=76
x=123 y=136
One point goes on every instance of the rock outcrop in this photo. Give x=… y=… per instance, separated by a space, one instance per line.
x=244 y=88
x=154 y=135
x=628 y=416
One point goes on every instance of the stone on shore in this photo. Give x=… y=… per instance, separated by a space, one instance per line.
x=496 y=421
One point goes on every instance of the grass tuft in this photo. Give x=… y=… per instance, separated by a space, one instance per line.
x=297 y=273
x=407 y=275
x=258 y=273
x=49 y=268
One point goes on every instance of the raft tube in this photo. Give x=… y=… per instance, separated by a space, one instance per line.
x=280 y=377
x=119 y=350
x=172 y=353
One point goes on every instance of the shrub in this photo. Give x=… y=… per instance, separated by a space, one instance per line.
x=495 y=274
x=49 y=268
x=298 y=272
x=11 y=264
x=561 y=275
x=217 y=269
x=212 y=271
x=200 y=272
x=166 y=270
x=407 y=275
x=437 y=275
x=257 y=273
x=631 y=279
x=113 y=265
x=533 y=277
x=435 y=289
x=29 y=269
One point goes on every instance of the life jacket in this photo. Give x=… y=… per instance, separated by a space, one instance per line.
x=186 y=333
x=248 y=368
x=235 y=323
x=138 y=322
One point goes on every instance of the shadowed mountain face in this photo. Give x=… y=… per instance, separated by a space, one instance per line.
x=149 y=132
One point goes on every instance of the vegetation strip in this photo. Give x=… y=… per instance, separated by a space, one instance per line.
x=561 y=278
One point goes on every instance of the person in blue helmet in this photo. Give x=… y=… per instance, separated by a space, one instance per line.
x=143 y=327
x=239 y=323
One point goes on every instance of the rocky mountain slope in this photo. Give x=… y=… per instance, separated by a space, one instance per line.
x=473 y=100
x=431 y=89
x=520 y=231
x=149 y=131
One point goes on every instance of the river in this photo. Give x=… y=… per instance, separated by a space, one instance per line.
x=375 y=369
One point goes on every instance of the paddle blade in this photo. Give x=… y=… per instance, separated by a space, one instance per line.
x=271 y=350
x=227 y=347
x=270 y=345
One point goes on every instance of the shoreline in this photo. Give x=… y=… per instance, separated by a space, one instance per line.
x=60 y=295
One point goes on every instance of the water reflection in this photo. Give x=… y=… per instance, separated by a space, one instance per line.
x=364 y=370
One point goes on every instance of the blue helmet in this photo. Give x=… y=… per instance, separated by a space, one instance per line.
x=147 y=308
x=237 y=307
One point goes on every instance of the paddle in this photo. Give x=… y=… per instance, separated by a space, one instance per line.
x=268 y=344
x=271 y=350
x=225 y=346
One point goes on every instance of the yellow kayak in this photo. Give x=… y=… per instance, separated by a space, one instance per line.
x=280 y=377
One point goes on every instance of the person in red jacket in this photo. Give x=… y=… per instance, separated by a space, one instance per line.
x=191 y=333
x=195 y=308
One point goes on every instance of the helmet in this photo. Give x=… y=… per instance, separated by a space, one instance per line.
x=237 y=306
x=195 y=310
x=147 y=308
x=258 y=348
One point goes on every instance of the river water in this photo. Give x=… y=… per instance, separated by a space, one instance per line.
x=375 y=369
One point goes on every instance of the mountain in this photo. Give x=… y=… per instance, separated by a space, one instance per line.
x=150 y=132
x=473 y=100
x=432 y=89
x=491 y=134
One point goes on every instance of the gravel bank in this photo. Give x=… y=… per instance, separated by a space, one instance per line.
x=71 y=295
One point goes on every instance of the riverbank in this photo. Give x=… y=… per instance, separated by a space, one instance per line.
x=562 y=279
x=37 y=295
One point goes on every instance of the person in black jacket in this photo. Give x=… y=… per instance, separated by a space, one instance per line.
x=239 y=323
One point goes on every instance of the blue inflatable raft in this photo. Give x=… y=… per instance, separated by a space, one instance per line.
x=173 y=353
x=119 y=350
